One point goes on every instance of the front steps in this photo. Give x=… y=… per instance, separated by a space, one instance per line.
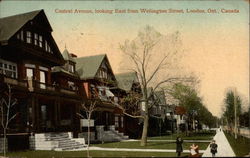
x=56 y=141
x=110 y=135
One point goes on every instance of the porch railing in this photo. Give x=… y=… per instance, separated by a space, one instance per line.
x=13 y=81
x=55 y=88
x=33 y=85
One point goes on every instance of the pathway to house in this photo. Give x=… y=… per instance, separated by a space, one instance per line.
x=224 y=148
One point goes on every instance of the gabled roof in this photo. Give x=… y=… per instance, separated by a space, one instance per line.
x=126 y=80
x=66 y=55
x=11 y=24
x=87 y=67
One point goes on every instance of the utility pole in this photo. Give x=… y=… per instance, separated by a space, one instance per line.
x=235 y=114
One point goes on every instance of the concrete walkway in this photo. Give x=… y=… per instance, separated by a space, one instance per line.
x=173 y=141
x=140 y=150
x=224 y=149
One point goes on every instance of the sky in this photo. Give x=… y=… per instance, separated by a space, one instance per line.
x=216 y=44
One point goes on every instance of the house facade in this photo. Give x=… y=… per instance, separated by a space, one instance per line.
x=100 y=87
x=47 y=100
x=128 y=84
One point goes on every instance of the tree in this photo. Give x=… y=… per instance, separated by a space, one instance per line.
x=7 y=102
x=189 y=99
x=229 y=112
x=153 y=57
x=245 y=118
x=88 y=109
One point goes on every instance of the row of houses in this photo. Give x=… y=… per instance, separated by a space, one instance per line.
x=50 y=88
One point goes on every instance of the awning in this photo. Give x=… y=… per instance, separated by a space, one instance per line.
x=109 y=93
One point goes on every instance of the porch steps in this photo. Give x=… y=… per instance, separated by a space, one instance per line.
x=58 y=142
x=121 y=136
x=110 y=135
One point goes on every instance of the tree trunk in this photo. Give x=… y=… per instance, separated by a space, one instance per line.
x=4 y=142
x=145 y=131
x=88 y=137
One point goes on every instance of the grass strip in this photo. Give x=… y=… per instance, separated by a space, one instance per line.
x=241 y=145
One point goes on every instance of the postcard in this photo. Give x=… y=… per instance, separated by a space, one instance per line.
x=124 y=78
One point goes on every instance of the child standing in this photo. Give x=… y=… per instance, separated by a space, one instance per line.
x=213 y=148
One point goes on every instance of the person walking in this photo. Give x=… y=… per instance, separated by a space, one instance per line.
x=179 y=148
x=213 y=148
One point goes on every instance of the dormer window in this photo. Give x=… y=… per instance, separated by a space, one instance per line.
x=103 y=73
x=28 y=37
x=71 y=68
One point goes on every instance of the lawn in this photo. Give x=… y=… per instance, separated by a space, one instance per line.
x=134 y=144
x=241 y=145
x=205 y=135
x=150 y=145
x=82 y=154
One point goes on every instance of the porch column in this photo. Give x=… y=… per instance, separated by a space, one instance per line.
x=33 y=113
x=37 y=114
x=59 y=112
x=56 y=112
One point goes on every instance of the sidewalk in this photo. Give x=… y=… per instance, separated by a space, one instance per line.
x=154 y=140
x=139 y=150
x=224 y=148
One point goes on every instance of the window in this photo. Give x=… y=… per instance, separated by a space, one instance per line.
x=71 y=68
x=42 y=79
x=28 y=37
x=121 y=121
x=18 y=36
x=29 y=73
x=116 y=121
x=103 y=73
x=40 y=41
x=46 y=46
x=22 y=35
x=49 y=50
x=71 y=85
x=36 y=39
x=43 y=112
x=8 y=68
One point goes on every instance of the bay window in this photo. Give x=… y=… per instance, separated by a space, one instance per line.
x=8 y=68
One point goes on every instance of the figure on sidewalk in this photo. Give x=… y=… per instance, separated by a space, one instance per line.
x=213 y=147
x=194 y=150
x=179 y=148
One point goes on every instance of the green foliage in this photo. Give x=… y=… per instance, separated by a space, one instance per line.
x=229 y=112
x=245 y=119
x=189 y=99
